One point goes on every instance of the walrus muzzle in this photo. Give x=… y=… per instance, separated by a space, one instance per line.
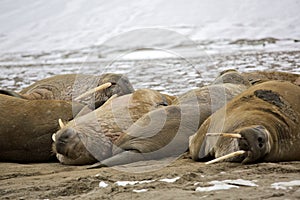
x=254 y=141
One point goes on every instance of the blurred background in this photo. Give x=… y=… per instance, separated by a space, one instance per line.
x=63 y=24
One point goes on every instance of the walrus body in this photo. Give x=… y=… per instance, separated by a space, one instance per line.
x=164 y=132
x=26 y=127
x=263 y=76
x=69 y=86
x=90 y=138
x=266 y=120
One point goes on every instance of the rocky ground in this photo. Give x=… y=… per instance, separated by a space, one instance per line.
x=181 y=179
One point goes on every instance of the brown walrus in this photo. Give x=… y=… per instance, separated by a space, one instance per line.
x=69 y=87
x=164 y=132
x=261 y=124
x=26 y=127
x=90 y=137
x=263 y=76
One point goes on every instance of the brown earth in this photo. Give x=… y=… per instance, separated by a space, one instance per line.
x=56 y=181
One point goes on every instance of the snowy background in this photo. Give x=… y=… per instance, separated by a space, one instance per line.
x=42 y=25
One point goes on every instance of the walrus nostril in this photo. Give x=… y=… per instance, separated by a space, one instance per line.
x=260 y=142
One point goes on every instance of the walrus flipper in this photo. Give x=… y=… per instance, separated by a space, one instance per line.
x=11 y=93
x=123 y=158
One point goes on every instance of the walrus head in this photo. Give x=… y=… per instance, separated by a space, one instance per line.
x=252 y=143
x=73 y=146
x=120 y=85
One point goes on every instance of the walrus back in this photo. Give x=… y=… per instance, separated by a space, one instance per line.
x=26 y=127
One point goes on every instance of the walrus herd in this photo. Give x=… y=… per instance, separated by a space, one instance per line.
x=101 y=120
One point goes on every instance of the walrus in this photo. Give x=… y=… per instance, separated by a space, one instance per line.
x=164 y=132
x=90 y=137
x=70 y=87
x=263 y=76
x=259 y=125
x=26 y=127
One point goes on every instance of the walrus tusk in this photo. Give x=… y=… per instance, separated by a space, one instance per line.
x=61 y=124
x=231 y=135
x=231 y=155
x=96 y=89
x=53 y=137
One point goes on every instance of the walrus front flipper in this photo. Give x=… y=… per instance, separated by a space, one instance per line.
x=11 y=93
x=125 y=157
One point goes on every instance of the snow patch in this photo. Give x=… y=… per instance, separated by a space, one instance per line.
x=139 y=191
x=225 y=185
x=102 y=184
x=124 y=183
x=217 y=185
x=285 y=185
x=169 y=180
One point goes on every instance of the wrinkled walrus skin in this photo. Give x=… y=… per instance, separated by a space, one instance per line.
x=26 y=127
x=263 y=76
x=69 y=86
x=165 y=132
x=90 y=137
x=267 y=116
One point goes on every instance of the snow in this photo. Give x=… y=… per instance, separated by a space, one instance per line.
x=217 y=185
x=170 y=180
x=124 y=183
x=29 y=25
x=140 y=190
x=102 y=184
x=285 y=185
x=225 y=185
x=241 y=182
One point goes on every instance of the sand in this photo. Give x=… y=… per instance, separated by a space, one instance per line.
x=56 y=181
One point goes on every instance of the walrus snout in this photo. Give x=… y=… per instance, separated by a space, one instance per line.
x=255 y=141
x=67 y=142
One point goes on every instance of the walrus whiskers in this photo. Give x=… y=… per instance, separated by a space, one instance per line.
x=91 y=91
x=61 y=124
x=230 y=135
x=231 y=155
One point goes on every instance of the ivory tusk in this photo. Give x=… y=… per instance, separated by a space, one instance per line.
x=96 y=89
x=231 y=155
x=231 y=135
x=53 y=137
x=61 y=124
